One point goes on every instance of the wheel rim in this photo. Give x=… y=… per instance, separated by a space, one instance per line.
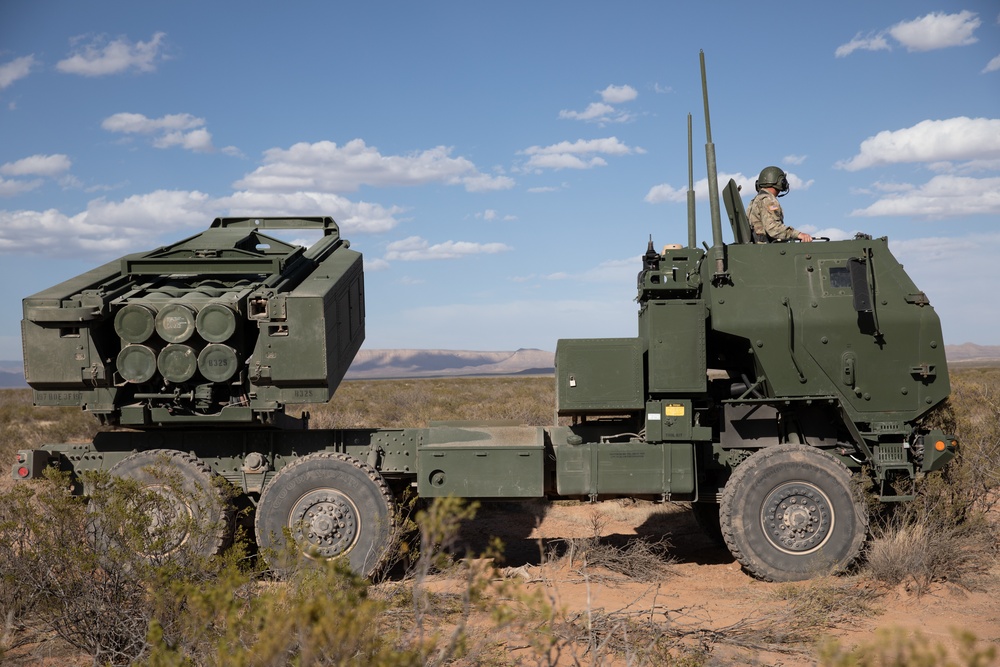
x=797 y=518
x=324 y=523
x=169 y=526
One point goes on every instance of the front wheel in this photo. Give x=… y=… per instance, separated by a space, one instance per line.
x=788 y=513
x=331 y=506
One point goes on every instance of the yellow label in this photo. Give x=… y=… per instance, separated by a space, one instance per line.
x=673 y=410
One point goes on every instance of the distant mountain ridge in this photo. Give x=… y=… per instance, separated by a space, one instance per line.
x=383 y=364
x=401 y=364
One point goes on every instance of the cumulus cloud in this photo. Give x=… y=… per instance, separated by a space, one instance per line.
x=100 y=57
x=415 y=248
x=942 y=197
x=327 y=167
x=926 y=33
x=13 y=187
x=869 y=42
x=930 y=141
x=181 y=129
x=992 y=66
x=603 y=112
x=15 y=69
x=937 y=31
x=581 y=154
x=618 y=94
x=49 y=166
x=108 y=228
x=104 y=228
x=594 y=111
x=352 y=217
x=664 y=192
x=37 y=165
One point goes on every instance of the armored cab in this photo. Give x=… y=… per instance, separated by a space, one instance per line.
x=227 y=326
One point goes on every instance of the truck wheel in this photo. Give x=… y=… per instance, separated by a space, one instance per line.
x=788 y=513
x=332 y=506
x=186 y=511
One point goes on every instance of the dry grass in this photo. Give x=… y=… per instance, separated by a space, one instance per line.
x=949 y=532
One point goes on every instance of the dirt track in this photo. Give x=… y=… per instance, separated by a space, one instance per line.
x=707 y=590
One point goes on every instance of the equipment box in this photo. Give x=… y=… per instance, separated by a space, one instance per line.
x=597 y=375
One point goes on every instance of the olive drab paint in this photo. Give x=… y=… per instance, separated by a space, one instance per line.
x=762 y=379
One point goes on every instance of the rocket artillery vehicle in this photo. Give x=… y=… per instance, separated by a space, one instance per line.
x=762 y=378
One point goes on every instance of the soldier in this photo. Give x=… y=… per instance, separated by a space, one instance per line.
x=766 y=218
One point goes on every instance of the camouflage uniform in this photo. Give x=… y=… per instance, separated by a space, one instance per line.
x=768 y=221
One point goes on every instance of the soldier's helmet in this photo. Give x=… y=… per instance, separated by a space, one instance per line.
x=772 y=177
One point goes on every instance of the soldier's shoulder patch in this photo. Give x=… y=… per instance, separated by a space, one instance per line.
x=773 y=207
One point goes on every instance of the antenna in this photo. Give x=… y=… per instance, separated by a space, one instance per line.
x=692 y=227
x=718 y=247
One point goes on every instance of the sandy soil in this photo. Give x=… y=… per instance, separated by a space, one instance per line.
x=731 y=617
x=706 y=590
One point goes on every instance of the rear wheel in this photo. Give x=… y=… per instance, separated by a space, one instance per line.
x=788 y=513
x=176 y=509
x=331 y=506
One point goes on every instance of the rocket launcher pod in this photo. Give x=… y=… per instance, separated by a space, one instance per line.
x=227 y=326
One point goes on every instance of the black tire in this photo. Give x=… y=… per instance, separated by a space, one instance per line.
x=186 y=512
x=788 y=513
x=707 y=516
x=332 y=506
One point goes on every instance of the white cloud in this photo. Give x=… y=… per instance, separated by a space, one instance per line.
x=927 y=33
x=105 y=228
x=113 y=227
x=352 y=217
x=37 y=165
x=942 y=197
x=136 y=123
x=325 y=166
x=794 y=159
x=664 y=192
x=992 y=66
x=580 y=154
x=50 y=166
x=99 y=57
x=181 y=129
x=618 y=94
x=594 y=111
x=937 y=31
x=930 y=141
x=871 y=42
x=10 y=187
x=15 y=69
x=415 y=248
x=603 y=112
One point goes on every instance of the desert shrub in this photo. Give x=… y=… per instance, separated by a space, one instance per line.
x=895 y=647
x=949 y=530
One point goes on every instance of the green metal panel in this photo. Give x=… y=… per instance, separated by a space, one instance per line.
x=482 y=462
x=598 y=375
x=794 y=306
x=675 y=335
x=627 y=468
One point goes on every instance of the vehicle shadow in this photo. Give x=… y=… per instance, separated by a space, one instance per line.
x=515 y=524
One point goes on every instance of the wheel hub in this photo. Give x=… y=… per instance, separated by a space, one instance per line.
x=167 y=529
x=324 y=523
x=797 y=518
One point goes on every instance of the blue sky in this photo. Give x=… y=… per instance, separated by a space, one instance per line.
x=500 y=165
